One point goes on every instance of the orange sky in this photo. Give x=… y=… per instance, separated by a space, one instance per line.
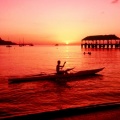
x=57 y=21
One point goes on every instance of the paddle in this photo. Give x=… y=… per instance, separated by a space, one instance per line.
x=63 y=64
x=69 y=69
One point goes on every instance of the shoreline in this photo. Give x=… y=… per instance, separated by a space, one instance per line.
x=92 y=112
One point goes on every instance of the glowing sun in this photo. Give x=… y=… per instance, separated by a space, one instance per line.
x=66 y=42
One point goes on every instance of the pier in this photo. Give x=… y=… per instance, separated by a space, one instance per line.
x=101 y=41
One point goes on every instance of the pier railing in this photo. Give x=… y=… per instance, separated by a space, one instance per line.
x=88 y=45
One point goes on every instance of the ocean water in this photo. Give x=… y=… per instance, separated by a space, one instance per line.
x=42 y=96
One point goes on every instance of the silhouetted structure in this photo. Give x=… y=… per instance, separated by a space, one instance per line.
x=101 y=41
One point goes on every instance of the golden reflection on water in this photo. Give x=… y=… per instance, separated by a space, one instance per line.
x=30 y=60
x=33 y=60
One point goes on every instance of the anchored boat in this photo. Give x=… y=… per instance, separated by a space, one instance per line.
x=54 y=76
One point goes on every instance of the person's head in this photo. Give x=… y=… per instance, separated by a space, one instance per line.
x=58 y=61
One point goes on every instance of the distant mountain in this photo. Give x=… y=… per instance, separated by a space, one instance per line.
x=3 y=42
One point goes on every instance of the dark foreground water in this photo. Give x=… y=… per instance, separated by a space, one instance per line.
x=42 y=96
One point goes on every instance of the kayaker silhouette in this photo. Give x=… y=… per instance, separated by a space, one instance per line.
x=59 y=68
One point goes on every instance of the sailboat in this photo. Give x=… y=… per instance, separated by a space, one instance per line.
x=20 y=45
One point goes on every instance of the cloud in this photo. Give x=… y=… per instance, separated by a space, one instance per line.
x=115 y=1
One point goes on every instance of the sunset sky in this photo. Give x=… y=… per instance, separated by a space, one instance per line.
x=57 y=21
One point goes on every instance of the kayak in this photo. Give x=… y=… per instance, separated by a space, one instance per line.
x=54 y=76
